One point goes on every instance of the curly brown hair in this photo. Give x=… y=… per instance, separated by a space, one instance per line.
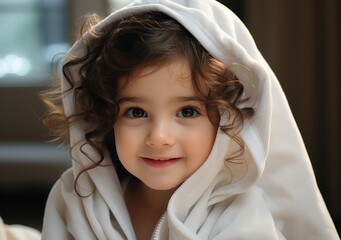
x=114 y=52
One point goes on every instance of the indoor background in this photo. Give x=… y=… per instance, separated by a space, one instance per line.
x=300 y=40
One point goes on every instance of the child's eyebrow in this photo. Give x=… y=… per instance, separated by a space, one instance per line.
x=129 y=99
x=175 y=99
x=188 y=99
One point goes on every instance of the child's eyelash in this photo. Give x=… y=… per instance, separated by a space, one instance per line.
x=135 y=112
x=191 y=112
x=187 y=111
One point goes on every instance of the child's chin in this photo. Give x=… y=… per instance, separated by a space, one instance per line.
x=162 y=186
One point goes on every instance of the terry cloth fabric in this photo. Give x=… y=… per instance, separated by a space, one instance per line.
x=272 y=195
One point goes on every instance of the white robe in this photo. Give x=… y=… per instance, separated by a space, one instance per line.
x=272 y=195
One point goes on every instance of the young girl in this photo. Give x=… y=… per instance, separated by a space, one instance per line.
x=178 y=130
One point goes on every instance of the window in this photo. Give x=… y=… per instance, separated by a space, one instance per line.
x=32 y=33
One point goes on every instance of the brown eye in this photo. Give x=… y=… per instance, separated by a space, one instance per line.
x=136 y=113
x=188 y=112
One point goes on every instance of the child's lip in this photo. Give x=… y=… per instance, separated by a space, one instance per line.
x=161 y=158
x=160 y=162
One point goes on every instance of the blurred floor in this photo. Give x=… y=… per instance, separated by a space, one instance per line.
x=23 y=206
x=27 y=173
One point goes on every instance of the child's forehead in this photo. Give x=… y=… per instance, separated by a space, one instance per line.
x=154 y=78
x=178 y=68
x=175 y=65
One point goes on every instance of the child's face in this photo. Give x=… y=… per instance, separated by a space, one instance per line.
x=162 y=133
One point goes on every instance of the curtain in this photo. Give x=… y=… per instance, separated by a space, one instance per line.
x=301 y=41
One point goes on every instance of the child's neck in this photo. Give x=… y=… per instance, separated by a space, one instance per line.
x=145 y=206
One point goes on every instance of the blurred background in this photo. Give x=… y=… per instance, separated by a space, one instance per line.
x=300 y=40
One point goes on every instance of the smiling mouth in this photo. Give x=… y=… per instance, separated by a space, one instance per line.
x=160 y=162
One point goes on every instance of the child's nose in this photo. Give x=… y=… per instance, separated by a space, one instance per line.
x=160 y=134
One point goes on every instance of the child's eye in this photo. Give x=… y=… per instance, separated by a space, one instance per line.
x=135 y=112
x=188 y=112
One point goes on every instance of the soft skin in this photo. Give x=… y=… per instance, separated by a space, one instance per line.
x=163 y=133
